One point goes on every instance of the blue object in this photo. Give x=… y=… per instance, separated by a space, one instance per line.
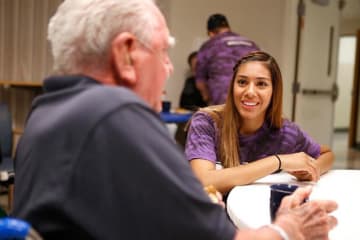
x=277 y=192
x=11 y=228
x=166 y=106
x=169 y=117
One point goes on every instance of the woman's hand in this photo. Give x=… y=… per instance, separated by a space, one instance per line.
x=300 y=165
x=302 y=175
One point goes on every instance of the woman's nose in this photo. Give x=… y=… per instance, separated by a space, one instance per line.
x=250 y=90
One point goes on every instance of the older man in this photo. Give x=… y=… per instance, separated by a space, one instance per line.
x=96 y=162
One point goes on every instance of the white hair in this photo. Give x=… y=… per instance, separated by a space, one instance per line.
x=81 y=31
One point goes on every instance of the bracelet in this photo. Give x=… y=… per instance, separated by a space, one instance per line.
x=278 y=158
x=279 y=230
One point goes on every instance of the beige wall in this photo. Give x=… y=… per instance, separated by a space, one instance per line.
x=349 y=26
x=265 y=25
x=273 y=26
x=24 y=51
x=23 y=46
x=343 y=104
x=345 y=77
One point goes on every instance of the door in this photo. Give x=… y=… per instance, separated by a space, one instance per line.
x=315 y=86
x=354 y=131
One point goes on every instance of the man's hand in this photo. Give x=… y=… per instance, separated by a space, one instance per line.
x=306 y=221
x=214 y=195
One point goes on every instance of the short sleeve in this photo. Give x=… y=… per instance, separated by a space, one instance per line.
x=303 y=142
x=201 y=139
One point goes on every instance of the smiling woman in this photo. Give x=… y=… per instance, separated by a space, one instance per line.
x=252 y=94
x=248 y=135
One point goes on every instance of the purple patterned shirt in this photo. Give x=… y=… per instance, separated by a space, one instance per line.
x=202 y=141
x=216 y=59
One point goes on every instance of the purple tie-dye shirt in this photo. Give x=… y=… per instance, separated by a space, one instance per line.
x=216 y=60
x=203 y=137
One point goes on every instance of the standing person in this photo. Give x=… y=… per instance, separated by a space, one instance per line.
x=249 y=136
x=217 y=57
x=95 y=160
x=190 y=97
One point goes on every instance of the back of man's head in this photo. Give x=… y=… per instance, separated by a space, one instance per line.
x=217 y=21
x=81 y=31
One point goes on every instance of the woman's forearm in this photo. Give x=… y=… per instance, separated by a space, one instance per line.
x=326 y=159
x=225 y=179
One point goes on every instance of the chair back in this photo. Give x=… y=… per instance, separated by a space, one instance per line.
x=12 y=228
x=6 y=137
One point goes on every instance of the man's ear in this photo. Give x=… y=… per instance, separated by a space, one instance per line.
x=122 y=49
x=211 y=34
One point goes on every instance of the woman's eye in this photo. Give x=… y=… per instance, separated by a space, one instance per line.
x=262 y=84
x=241 y=82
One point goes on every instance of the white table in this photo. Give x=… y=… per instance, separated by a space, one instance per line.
x=250 y=203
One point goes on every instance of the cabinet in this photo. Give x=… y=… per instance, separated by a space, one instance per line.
x=19 y=95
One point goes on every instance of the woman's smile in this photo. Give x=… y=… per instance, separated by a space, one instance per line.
x=249 y=105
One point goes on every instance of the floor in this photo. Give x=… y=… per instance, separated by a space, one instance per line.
x=344 y=159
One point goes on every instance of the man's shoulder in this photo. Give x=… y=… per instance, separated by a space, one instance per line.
x=84 y=99
x=120 y=95
x=103 y=100
x=212 y=42
x=106 y=97
x=232 y=39
x=228 y=40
